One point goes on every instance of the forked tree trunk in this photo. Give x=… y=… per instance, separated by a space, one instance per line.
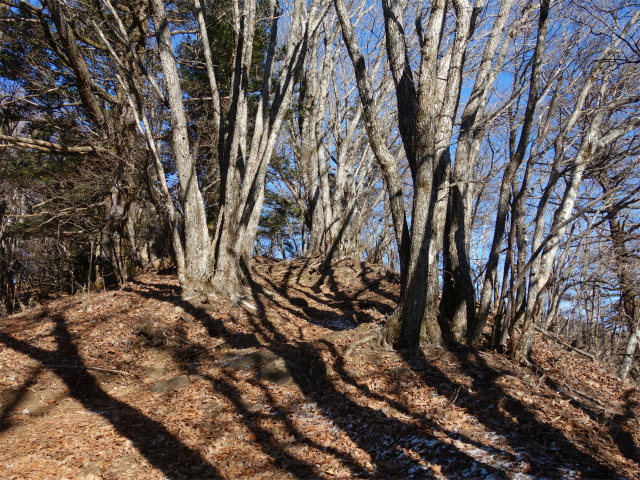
x=426 y=125
x=387 y=162
x=243 y=192
x=457 y=307
x=437 y=100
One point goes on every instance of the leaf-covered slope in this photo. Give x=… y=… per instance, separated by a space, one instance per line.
x=139 y=383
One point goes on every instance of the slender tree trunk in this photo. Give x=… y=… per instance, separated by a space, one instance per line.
x=213 y=85
x=386 y=161
x=305 y=26
x=243 y=190
x=629 y=305
x=197 y=242
x=458 y=293
x=632 y=345
x=489 y=285
x=541 y=271
x=76 y=62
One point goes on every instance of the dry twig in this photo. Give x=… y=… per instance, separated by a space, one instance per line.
x=98 y=369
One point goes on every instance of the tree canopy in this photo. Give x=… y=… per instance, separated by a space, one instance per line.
x=487 y=150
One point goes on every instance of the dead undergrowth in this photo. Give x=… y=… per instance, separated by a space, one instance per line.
x=141 y=384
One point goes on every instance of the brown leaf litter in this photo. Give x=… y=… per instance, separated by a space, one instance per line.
x=142 y=384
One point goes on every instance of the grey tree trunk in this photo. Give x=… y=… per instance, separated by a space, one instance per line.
x=227 y=279
x=386 y=161
x=632 y=345
x=489 y=283
x=437 y=102
x=213 y=84
x=197 y=242
x=243 y=191
x=458 y=307
x=591 y=142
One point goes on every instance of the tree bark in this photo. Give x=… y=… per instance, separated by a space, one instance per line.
x=475 y=332
x=632 y=345
x=76 y=62
x=386 y=161
x=197 y=242
x=244 y=173
x=458 y=307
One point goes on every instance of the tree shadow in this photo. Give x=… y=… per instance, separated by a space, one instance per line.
x=622 y=437
x=610 y=422
x=16 y=399
x=172 y=458
x=300 y=305
x=396 y=446
x=383 y=435
x=548 y=443
x=278 y=344
x=353 y=310
x=365 y=390
x=268 y=443
x=380 y=434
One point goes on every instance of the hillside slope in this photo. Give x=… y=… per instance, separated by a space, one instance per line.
x=139 y=383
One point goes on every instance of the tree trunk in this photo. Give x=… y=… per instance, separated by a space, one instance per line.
x=243 y=191
x=457 y=307
x=196 y=234
x=632 y=345
x=76 y=62
x=458 y=293
x=489 y=285
x=386 y=161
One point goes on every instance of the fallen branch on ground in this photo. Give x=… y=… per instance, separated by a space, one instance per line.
x=107 y=370
x=565 y=344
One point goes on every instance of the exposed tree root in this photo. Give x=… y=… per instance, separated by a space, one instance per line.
x=97 y=369
x=385 y=338
x=390 y=333
x=373 y=336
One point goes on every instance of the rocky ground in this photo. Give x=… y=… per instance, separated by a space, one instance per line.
x=139 y=383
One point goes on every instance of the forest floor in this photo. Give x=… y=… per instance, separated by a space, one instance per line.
x=139 y=383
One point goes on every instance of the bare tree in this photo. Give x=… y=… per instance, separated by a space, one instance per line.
x=387 y=162
x=243 y=167
x=427 y=121
x=598 y=93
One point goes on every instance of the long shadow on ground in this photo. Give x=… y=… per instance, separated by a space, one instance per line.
x=612 y=423
x=546 y=449
x=551 y=453
x=378 y=434
x=387 y=438
x=335 y=297
x=17 y=398
x=172 y=457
